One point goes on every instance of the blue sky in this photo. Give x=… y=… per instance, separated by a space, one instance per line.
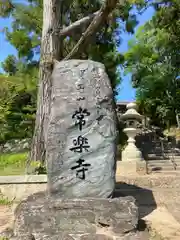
x=126 y=92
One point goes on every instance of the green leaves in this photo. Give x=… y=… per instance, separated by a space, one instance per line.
x=17 y=106
x=153 y=61
x=10 y=65
x=21 y=41
x=6 y=8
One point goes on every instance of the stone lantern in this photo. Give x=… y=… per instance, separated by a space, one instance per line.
x=131 y=118
x=132 y=160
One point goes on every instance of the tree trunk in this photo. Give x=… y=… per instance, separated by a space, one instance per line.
x=177 y=119
x=50 y=50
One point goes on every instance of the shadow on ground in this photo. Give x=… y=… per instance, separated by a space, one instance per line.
x=144 y=197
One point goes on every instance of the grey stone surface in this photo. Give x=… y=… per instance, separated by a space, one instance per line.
x=40 y=218
x=81 y=86
x=23 y=179
x=15 y=146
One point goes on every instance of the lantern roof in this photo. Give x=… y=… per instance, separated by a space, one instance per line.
x=131 y=113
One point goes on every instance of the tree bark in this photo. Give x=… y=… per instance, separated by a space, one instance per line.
x=51 y=46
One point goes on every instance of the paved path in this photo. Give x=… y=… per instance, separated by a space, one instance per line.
x=164 y=224
x=6 y=216
x=158 y=197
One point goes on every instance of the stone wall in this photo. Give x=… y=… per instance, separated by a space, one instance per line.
x=19 y=187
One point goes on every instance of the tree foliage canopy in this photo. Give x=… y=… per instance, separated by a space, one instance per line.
x=17 y=106
x=154 y=59
x=19 y=88
x=25 y=35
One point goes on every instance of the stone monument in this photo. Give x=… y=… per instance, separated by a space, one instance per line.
x=132 y=160
x=81 y=138
x=81 y=147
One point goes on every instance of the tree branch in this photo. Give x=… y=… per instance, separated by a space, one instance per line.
x=101 y=16
x=68 y=30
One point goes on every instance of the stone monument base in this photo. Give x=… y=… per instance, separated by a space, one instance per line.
x=131 y=167
x=44 y=218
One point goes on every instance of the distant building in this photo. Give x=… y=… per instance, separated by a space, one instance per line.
x=121 y=107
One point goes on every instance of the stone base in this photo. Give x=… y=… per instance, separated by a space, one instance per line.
x=43 y=218
x=124 y=168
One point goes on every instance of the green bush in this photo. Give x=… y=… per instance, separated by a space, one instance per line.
x=4 y=201
x=39 y=167
x=13 y=164
x=17 y=107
